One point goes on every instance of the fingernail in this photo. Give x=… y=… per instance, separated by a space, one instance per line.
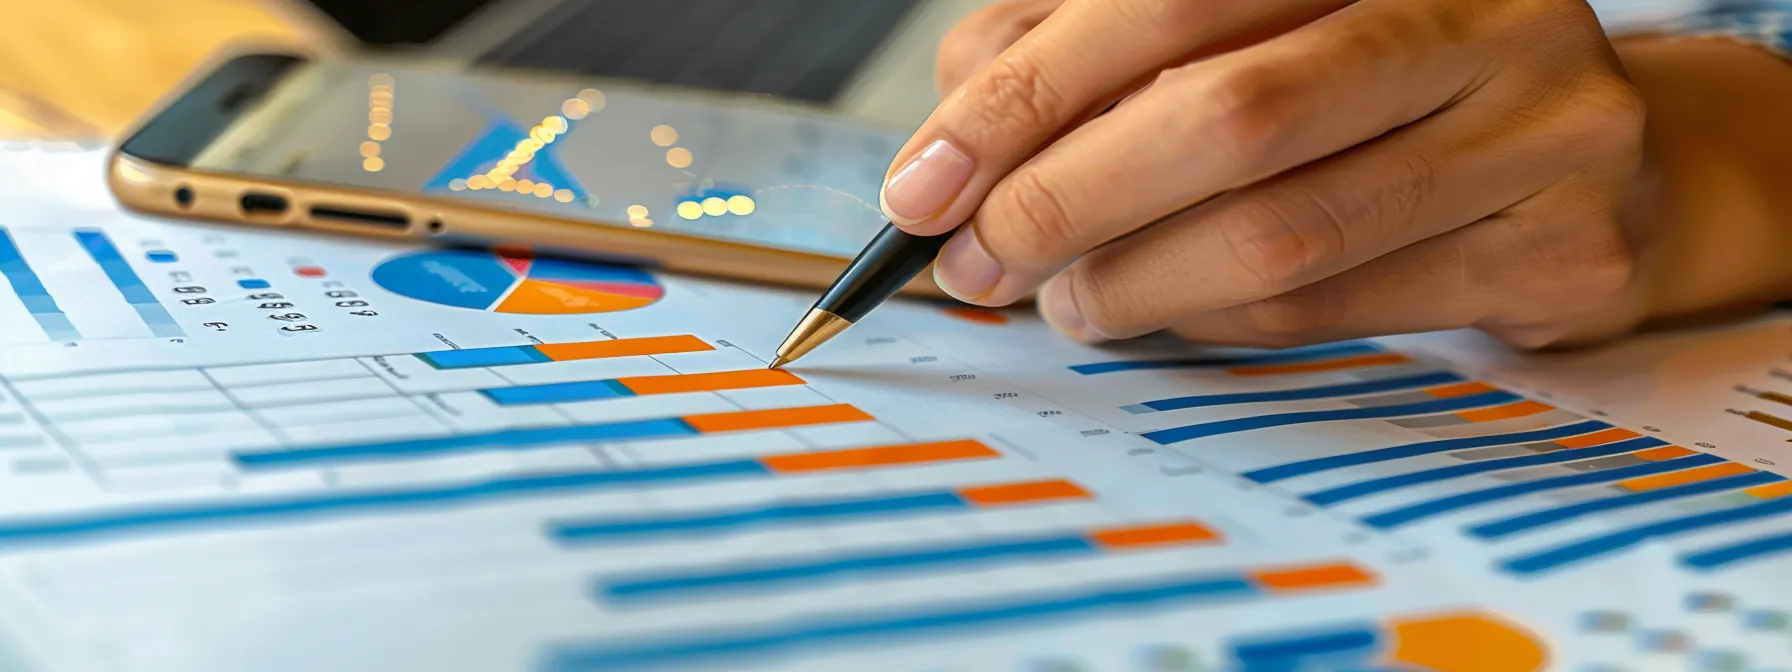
x=927 y=184
x=1059 y=309
x=965 y=270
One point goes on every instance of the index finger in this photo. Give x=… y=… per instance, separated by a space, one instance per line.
x=1079 y=58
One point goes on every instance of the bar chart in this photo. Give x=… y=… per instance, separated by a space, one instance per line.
x=51 y=273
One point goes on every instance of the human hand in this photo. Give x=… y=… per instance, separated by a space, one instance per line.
x=1288 y=171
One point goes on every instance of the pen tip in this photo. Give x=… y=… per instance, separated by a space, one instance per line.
x=778 y=362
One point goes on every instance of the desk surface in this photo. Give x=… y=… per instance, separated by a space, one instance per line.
x=90 y=67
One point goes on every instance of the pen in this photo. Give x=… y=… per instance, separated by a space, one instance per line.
x=888 y=262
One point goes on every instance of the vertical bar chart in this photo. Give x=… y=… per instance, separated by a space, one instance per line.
x=32 y=293
x=99 y=246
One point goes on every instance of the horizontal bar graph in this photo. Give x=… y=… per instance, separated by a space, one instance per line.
x=818 y=511
x=31 y=291
x=825 y=629
x=563 y=352
x=161 y=256
x=1233 y=361
x=99 y=246
x=879 y=562
x=27 y=530
x=1334 y=462
x=1321 y=392
x=1453 y=641
x=1580 y=551
x=1445 y=400
x=1684 y=485
x=1321 y=366
x=520 y=439
x=1733 y=554
x=593 y=390
x=1416 y=512
x=1375 y=486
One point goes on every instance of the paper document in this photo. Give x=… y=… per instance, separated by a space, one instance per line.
x=230 y=449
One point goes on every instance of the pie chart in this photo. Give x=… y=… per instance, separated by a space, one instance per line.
x=510 y=284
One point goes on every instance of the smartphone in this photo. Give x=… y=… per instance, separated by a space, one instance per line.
x=722 y=184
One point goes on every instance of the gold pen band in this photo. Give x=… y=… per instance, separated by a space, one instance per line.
x=816 y=328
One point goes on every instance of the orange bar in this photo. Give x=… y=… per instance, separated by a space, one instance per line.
x=777 y=418
x=1695 y=475
x=1513 y=410
x=1021 y=493
x=977 y=315
x=1461 y=390
x=1357 y=362
x=1466 y=642
x=625 y=347
x=1664 y=453
x=881 y=456
x=1774 y=420
x=1771 y=490
x=710 y=382
x=1312 y=578
x=1598 y=438
x=1776 y=397
x=1155 y=535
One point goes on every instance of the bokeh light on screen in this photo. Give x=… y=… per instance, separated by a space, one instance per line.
x=678 y=157
x=381 y=98
x=663 y=135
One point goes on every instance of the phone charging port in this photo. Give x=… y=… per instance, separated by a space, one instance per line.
x=263 y=204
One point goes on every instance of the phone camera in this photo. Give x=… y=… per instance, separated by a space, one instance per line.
x=183 y=197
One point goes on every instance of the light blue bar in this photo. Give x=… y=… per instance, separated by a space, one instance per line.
x=253 y=283
x=1441 y=506
x=557 y=393
x=1562 y=556
x=161 y=256
x=1375 y=486
x=508 y=439
x=474 y=358
x=160 y=322
x=1316 y=465
x=1322 y=392
x=100 y=247
x=855 y=566
x=32 y=293
x=1509 y=526
x=1206 y=429
x=1348 y=648
x=773 y=515
x=1278 y=357
x=1724 y=556
x=68 y=527
x=723 y=648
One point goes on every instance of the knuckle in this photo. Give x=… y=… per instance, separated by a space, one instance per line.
x=1292 y=318
x=1277 y=244
x=1606 y=115
x=1109 y=308
x=1012 y=96
x=1029 y=218
x=1251 y=107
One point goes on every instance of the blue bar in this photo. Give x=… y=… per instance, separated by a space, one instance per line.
x=253 y=283
x=1516 y=524
x=827 y=629
x=1722 y=556
x=1374 y=486
x=585 y=531
x=1206 y=429
x=117 y=269
x=1316 y=465
x=1343 y=390
x=1280 y=357
x=1438 y=507
x=481 y=357
x=161 y=257
x=855 y=566
x=156 y=317
x=557 y=393
x=1342 y=649
x=507 y=439
x=32 y=293
x=52 y=528
x=1618 y=541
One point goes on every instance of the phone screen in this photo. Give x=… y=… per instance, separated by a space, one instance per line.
x=611 y=154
